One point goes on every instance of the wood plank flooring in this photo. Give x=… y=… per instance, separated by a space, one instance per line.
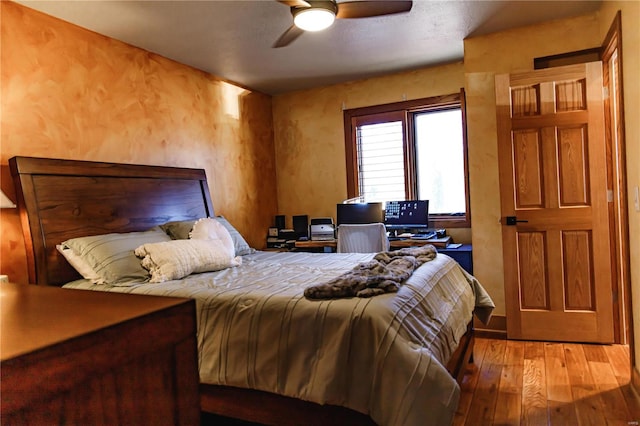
x=540 y=383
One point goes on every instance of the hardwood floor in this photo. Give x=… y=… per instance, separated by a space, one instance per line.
x=540 y=383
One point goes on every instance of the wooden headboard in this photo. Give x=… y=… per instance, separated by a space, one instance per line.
x=62 y=199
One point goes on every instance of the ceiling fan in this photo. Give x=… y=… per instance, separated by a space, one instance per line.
x=316 y=15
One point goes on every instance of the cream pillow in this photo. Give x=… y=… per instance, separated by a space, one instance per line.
x=180 y=229
x=176 y=259
x=212 y=230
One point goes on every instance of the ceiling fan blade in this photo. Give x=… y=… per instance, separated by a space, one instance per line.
x=288 y=36
x=294 y=3
x=365 y=9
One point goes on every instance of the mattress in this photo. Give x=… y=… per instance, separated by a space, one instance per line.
x=383 y=356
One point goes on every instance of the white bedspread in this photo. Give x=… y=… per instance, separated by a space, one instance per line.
x=382 y=356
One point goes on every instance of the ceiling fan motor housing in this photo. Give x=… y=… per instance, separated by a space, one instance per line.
x=329 y=5
x=315 y=17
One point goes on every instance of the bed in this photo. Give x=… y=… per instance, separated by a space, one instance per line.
x=267 y=354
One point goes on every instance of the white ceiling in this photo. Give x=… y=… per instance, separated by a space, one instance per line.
x=233 y=39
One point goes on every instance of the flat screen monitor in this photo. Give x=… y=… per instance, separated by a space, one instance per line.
x=359 y=213
x=407 y=214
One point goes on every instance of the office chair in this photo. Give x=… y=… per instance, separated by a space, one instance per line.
x=362 y=238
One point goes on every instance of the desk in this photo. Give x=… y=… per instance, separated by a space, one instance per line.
x=410 y=242
x=394 y=244
x=316 y=244
x=463 y=254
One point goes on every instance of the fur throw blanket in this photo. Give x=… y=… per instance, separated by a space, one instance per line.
x=385 y=273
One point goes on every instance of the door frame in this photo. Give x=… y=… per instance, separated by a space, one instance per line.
x=616 y=148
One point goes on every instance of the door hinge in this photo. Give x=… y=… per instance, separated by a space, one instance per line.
x=605 y=92
x=610 y=195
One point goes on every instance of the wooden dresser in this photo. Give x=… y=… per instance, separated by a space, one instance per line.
x=85 y=357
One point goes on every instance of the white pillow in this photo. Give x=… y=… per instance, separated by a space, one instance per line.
x=176 y=259
x=210 y=229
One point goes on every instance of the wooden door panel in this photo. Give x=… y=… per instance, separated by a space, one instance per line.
x=551 y=153
x=525 y=100
x=577 y=251
x=527 y=153
x=570 y=95
x=573 y=166
x=532 y=265
x=571 y=328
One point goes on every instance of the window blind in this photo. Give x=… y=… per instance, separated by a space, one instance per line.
x=381 y=174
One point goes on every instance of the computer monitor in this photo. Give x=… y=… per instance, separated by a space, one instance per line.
x=359 y=213
x=407 y=215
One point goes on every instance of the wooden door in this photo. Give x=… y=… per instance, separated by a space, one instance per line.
x=552 y=161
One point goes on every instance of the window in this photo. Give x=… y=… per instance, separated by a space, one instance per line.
x=411 y=150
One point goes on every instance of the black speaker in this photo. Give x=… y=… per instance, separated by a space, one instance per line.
x=280 y=219
x=301 y=226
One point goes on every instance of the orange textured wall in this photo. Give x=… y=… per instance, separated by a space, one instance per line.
x=309 y=133
x=70 y=93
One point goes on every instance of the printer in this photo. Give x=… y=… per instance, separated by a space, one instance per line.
x=322 y=229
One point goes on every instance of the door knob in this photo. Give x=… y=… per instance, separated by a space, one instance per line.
x=512 y=220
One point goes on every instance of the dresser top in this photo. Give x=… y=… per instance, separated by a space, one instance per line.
x=34 y=317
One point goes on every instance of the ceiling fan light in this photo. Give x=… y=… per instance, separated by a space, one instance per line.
x=314 y=19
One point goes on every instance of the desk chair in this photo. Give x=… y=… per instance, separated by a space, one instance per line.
x=365 y=238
